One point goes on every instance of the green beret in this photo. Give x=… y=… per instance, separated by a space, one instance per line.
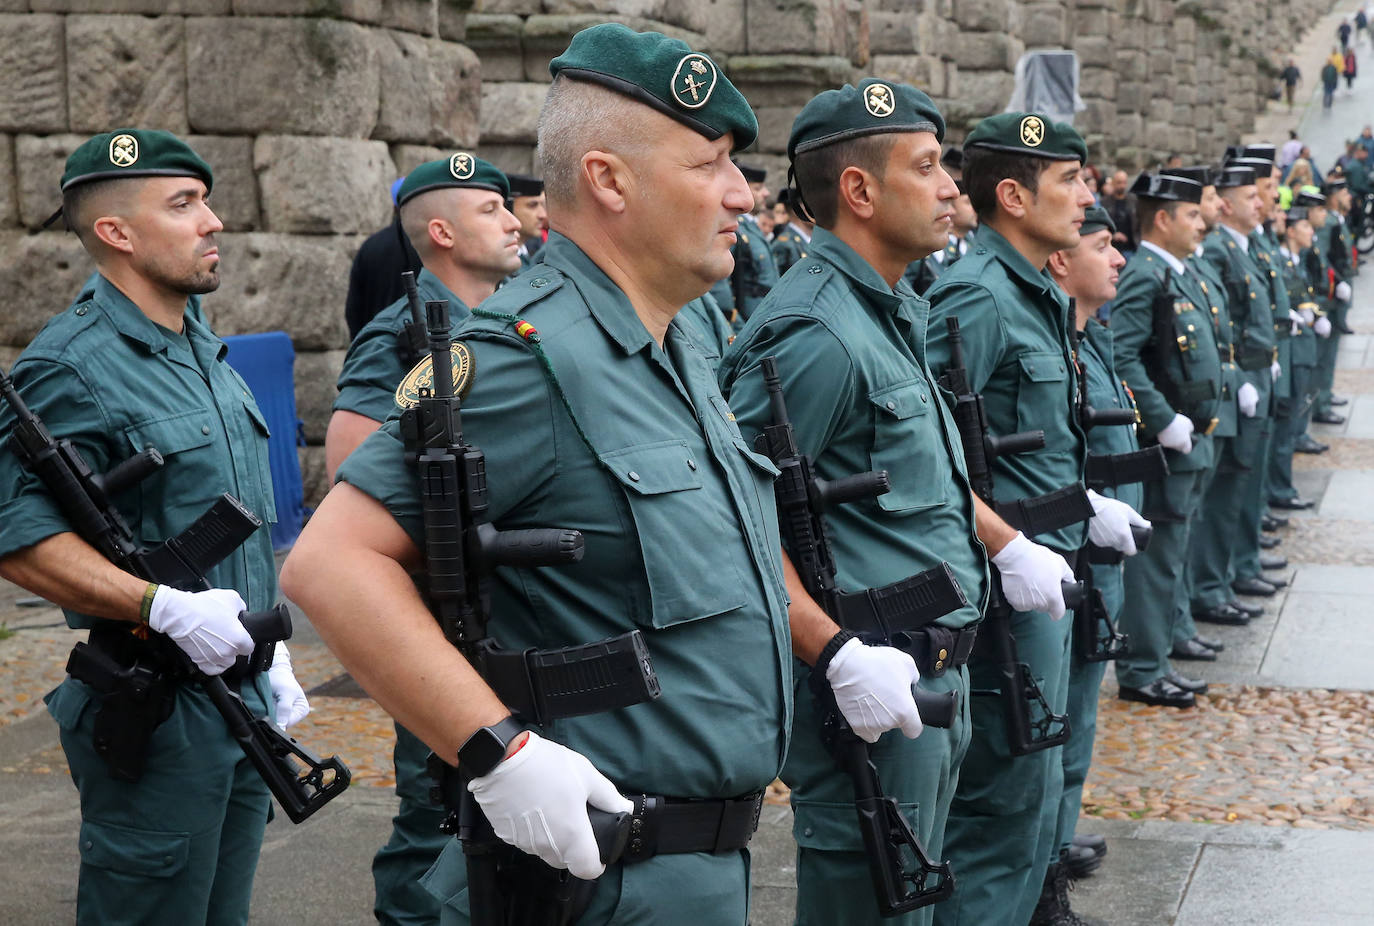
x=873 y=107
x=1030 y=134
x=663 y=73
x=461 y=169
x=1095 y=218
x=134 y=153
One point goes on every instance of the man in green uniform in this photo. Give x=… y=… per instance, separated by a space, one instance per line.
x=1166 y=352
x=1088 y=273
x=1333 y=243
x=1304 y=333
x=791 y=240
x=526 y=203
x=132 y=365
x=454 y=212
x=1022 y=172
x=755 y=272
x=849 y=340
x=596 y=412
x=1188 y=644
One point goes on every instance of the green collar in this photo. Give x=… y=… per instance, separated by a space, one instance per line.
x=130 y=321
x=427 y=283
x=991 y=240
x=608 y=304
x=826 y=246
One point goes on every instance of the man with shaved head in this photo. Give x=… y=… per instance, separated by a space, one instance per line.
x=454 y=212
x=597 y=410
x=172 y=814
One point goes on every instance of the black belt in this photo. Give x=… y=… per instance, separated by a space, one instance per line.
x=672 y=825
x=937 y=649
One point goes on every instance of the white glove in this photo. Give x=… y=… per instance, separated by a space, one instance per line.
x=286 y=691
x=1275 y=371
x=204 y=624
x=1307 y=315
x=537 y=801
x=872 y=686
x=1111 y=525
x=1247 y=399
x=1177 y=436
x=1031 y=576
x=1294 y=322
x=1343 y=291
x=1322 y=326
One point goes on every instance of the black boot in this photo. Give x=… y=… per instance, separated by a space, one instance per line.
x=1052 y=909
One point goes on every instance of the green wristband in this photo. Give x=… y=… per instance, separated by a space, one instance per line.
x=146 y=609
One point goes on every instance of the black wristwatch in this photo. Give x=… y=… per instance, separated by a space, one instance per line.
x=830 y=649
x=485 y=749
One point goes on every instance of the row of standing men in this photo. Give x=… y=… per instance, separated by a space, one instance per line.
x=609 y=396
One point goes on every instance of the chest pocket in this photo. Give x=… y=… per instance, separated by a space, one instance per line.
x=685 y=540
x=908 y=444
x=1042 y=397
x=261 y=460
x=175 y=495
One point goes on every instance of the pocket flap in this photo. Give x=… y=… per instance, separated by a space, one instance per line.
x=1043 y=366
x=256 y=414
x=175 y=433
x=904 y=401
x=759 y=460
x=136 y=852
x=834 y=827
x=67 y=702
x=651 y=469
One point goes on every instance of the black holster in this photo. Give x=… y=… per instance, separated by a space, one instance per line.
x=134 y=700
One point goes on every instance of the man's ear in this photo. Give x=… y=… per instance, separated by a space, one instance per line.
x=856 y=191
x=114 y=232
x=1013 y=197
x=606 y=175
x=1058 y=266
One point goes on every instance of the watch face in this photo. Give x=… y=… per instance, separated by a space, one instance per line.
x=481 y=753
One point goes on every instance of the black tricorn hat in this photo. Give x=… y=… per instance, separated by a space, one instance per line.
x=1164 y=186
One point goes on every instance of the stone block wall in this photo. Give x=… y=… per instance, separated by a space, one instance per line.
x=308 y=109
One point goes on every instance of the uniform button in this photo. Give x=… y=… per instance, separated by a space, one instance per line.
x=814 y=268
x=205 y=429
x=539 y=282
x=166 y=860
x=82 y=310
x=939 y=664
x=809 y=831
x=891 y=405
x=88 y=844
x=692 y=465
x=944 y=653
x=634 y=476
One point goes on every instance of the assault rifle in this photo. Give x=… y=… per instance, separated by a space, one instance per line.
x=1031 y=724
x=904 y=876
x=506 y=887
x=412 y=343
x=138 y=699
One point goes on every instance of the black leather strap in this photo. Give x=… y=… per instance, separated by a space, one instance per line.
x=667 y=825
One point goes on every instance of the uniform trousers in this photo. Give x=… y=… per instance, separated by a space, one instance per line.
x=415 y=841
x=181 y=844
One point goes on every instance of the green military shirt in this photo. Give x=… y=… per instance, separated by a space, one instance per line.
x=851 y=355
x=1171 y=364
x=1334 y=240
x=1106 y=389
x=754 y=274
x=373 y=366
x=104 y=376
x=788 y=247
x=1016 y=330
x=1249 y=301
x=706 y=324
x=635 y=447
x=1223 y=329
x=1302 y=346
